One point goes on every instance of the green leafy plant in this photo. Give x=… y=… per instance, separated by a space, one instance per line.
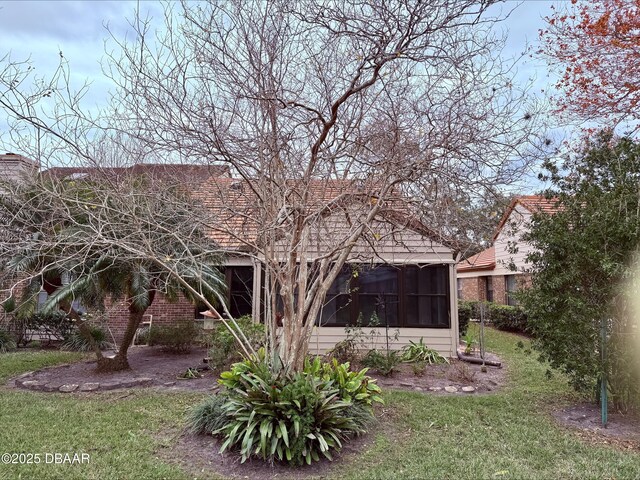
x=176 y=338
x=508 y=318
x=293 y=418
x=384 y=363
x=469 y=342
x=419 y=352
x=465 y=314
x=77 y=342
x=208 y=416
x=223 y=350
x=352 y=386
x=7 y=341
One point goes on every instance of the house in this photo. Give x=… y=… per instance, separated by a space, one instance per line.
x=496 y=273
x=399 y=272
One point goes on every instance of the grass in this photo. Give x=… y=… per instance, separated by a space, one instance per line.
x=507 y=434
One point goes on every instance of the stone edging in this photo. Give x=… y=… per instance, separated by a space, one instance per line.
x=447 y=389
x=26 y=381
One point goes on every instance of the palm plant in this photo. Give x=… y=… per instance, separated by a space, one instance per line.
x=62 y=245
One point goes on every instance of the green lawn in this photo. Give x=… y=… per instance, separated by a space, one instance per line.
x=508 y=434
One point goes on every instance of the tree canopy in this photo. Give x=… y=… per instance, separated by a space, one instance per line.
x=596 y=45
x=581 y=262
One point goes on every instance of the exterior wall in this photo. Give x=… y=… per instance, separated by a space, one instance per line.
x=161 y=312
x=324 y=339
x=516 y=225
x=470 y=289
x=499 y=289
x=473 y=288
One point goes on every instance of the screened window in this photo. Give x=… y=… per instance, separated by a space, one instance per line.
x=337 y=307
x=240 y=281
x=407 y=296
x=489 y=289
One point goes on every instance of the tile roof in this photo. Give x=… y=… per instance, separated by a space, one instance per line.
x=485 y=260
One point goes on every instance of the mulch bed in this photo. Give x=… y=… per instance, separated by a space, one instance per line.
x=199 y=455
x=449 y=378
x=622 y=431
x=150 y=367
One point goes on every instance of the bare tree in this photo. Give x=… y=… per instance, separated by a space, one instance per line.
x=341 y=123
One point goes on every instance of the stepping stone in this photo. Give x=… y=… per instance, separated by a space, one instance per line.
x=68 y=388
x=33 y=385
x=435 y=389
x=110 y=385
x=26 y=375
x=169 y=384
x=468 y=389
x=418 y=389
x=89 y=387
x=51 y=387
x=405 y=384
x=450 y=389
x=143 y=381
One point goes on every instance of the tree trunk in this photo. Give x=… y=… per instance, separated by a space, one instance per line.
x=120 y=361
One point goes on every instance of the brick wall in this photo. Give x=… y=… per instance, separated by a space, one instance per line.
x=163 y=312
x=499 y=293
x=470 y=289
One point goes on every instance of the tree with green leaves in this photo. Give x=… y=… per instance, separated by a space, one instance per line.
x=78 y=241
x=581 y=262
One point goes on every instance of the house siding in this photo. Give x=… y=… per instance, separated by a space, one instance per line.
x=324 y=339
x=514 y=228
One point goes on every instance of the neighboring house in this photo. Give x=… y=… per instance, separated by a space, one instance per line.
x=496 y=273
x=402 y=272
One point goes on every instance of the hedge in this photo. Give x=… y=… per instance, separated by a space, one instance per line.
x=503 y=317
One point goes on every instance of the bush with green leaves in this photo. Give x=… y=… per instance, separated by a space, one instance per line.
x=419 y=352
x=56 y=324
x=223 y=349
x=178 y=337
x=508 y=318
x=293 y=418
x=77 y=342
x=581 y=264
x=7 y=341
x=353 y=386
x=382 y=362
x=465 y=314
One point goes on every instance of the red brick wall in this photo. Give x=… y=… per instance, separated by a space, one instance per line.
x=470 y=289
x=163 y=312
x=499 y=293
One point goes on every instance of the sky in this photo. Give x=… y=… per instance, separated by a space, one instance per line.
x=40 y=30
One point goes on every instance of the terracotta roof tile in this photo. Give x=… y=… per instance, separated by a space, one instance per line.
x=485 y=260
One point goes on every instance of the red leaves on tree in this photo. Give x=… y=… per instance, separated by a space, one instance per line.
x=596 y=43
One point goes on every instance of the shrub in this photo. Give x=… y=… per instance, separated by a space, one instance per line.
x=345 y=351
x=287 y=417
x=224 y=350
x=383 y=363
x=352 y=386
x=419 y=352
x=465 y=314
x=55 y=324
x=176 y=338
x=77 y=342
x=7 y=341
x=207 y=417
x=505 y=317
